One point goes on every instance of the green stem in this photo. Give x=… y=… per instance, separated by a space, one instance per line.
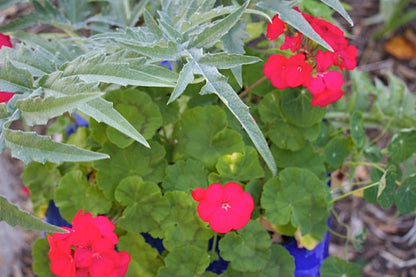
x=367 y=164
x=352 y=192
x=214 y=243
x=347 y=229
x=382 y=132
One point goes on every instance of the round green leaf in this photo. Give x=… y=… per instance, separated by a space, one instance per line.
x=402 y=146
x=248 y=249
x=296 y=107
x=145 y=209
x=201 y=135
x=41 y=262
x=406 y=195
x=268 y=108
x=357 y=129
x=133 y=160
x=41 y=179
x=185 y=175
x=335 y=267
x=298 y=197
x=185 y=261
x=238 y=167
x=183 y=226
x=139 y=109
x=383 y=194
x=280 y=264
x=336 y=151
x=304 y=158
x=145 y=260
x=75 y=193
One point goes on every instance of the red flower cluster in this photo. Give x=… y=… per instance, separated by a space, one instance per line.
x=309 y=67
x=225 y=208
x=5 y=41
x=88 y=249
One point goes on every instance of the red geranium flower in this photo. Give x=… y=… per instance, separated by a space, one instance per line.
x=288 y=72
x=275 y=28
x=326 y=88
x=224 y=208
x=5 y=41
x=292 y=43
x=88 y=249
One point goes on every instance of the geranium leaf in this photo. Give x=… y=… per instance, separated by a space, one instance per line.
x=145 y=209
x=357 y=129
x=185 y=261
x=238 y=167
x=280 y=264
x=286 y=136
x=248 y=249
x=336 y=151
x=38 y=111
x=183 y=226
x=145 y=260
x=217 y=84
x=402 y=146
x=41 y=262
x=139 y=109
x=133 y=160
x=298 y=197
x=334 y=266
x=383 y=194
x=296 y=107
x=185 y=175
x=75 y=193
x=13 y=216
x=29 y=146
x=41 y=179
x=202 y=135
x=305 y=157
x=406 y=195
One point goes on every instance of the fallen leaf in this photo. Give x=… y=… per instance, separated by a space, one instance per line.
x=401 y=47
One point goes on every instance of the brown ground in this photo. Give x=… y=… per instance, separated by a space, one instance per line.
x=389 y=247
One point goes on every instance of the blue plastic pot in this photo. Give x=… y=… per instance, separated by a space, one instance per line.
x=308 y=262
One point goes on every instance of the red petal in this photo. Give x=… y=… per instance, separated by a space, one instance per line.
x=317 y=85
x=5 y=96
x=232 y=193
x=206 y=209
x=106 y=228
x=214 y=194
x=5 y=41
x=221 y=221
x=275 y=28
x=333 y=80
x=198 y=194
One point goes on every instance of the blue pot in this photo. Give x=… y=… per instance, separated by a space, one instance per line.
x=308 y=262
